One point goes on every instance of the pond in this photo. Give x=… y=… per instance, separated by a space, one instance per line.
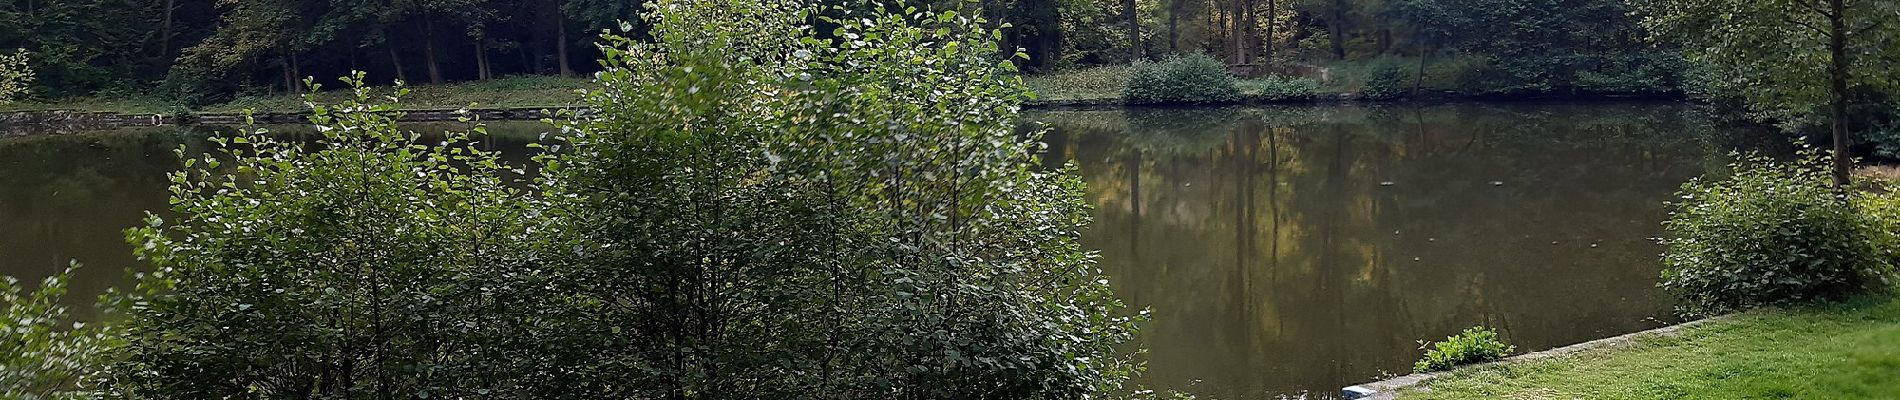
x=1281 y=250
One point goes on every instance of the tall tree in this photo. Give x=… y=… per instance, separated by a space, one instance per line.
x=1132 y=13
x=1789 y=59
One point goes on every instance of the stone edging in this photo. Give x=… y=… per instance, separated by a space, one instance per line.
x=1389 y=389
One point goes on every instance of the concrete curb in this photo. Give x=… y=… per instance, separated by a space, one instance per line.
x=1389 y=389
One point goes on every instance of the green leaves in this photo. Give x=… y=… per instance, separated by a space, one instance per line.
x=1475 y=345
x=840 y=216
x=1769 y=234
x=15 y=77
x=370 y=260
x=1193 y=78
x=45 y=353
x=1773 y=55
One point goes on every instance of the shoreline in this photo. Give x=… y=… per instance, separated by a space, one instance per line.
x=1390 y=388
x=74 y=119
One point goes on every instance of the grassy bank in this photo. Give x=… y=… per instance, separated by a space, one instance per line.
x=1840 y=351
x=506 y=92
x=1105 y=84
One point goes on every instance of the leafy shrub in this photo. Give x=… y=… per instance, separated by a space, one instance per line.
x=1387 y=81
x=750 y=212
x=1651 y=71
x=853 y=221
x=15 y=76
x=1881 y=205
x=1475 y=345
x=44 y=352
x=1280 y=88
x=370 y=263
x=1770 y=233
x=1885 y=135
x=1193 y=78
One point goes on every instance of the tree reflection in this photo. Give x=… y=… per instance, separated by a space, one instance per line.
x=1302 y=249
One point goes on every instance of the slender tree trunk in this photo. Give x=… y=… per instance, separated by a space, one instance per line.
x=560 y=45
x=1251 y=16
x=428 y=50
x=395 y=60
x=296 y=74
x=349 y=38
x=1273 y=18
x=1236 y=35
x=1336 y=29
x=481 y=59
x=1837 y=98
x=1134 y=30
x=290 y=80
x=1174 y=25
x=165 y=30
x=1419 y=81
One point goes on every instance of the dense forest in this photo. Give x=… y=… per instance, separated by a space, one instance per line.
x=198 y=51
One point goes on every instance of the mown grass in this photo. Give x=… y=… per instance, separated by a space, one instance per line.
x=1849 y=350
x=100 y=103
x=528 y=91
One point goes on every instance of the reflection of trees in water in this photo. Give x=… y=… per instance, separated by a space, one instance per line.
x=71 y=196
x=68 y=197
x=1276 y=261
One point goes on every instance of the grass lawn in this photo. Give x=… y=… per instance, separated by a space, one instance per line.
x=526 y=91
x=126 y=105
x=1841 y=351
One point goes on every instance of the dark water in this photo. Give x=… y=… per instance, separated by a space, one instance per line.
x=1281 y=250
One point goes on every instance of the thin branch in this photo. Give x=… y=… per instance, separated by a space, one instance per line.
x=1805 y=24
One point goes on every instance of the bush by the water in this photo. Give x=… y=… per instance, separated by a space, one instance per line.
x=1475 y=345
x=1770 y=233
x=45 y=352
x=1388 y=81
x=751 y=212
x=1193 y=78
x=1277 y=88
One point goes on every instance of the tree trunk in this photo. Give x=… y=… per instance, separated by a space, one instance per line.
x=1251 y=17
x=481 y=59
x=165 y=30
x=1134 y=30
x=296 y=74
x=560 y=45
x=290 y=84
x=1837 y=96
x=1419 y=81
x=1273 y=18
x=1336 y=30
x=1237 y=35
x=428 y=50
x=1174 y=25
x=395 y=60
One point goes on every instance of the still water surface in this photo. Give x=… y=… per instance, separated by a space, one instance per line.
x=1281 y=250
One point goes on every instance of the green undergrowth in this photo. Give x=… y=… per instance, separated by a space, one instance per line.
x=1847 y=350
x=526 y=91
